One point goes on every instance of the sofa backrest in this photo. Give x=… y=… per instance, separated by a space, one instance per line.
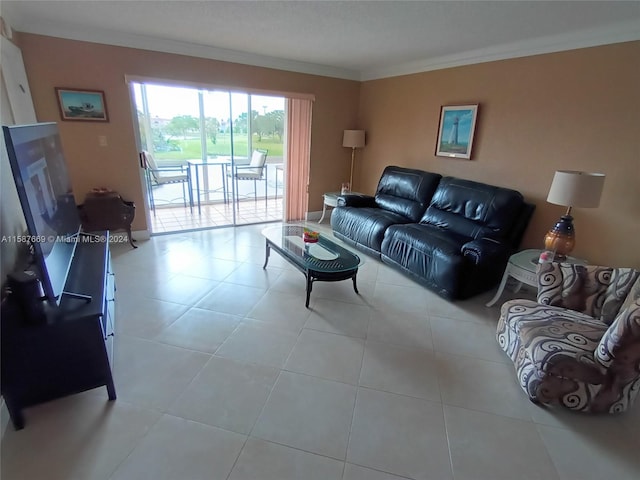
x=406 y=191
x=594 y=290
x=475 y=210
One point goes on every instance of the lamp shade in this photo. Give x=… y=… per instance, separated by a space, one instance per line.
x=576 y=189
x=353 y=138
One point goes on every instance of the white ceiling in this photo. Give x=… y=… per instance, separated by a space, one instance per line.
x=347 y=39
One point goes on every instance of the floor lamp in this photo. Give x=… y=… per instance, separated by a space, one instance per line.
x=353 y=139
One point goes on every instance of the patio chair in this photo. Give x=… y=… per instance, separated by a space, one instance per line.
x=157 y=176
x=255 y=170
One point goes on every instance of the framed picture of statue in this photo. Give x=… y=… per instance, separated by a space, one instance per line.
x=82 y=105
x=455 y=133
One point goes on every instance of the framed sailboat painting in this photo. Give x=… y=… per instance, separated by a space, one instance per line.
x=82 y=105
x=455 y=134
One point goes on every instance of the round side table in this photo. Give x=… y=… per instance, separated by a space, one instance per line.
x=330 y=199
x=522 y=266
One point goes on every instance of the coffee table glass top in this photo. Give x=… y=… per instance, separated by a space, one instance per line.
x=323 y=256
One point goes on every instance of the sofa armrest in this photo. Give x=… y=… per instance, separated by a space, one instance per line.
x=353 y=200
x=485 y=251
x=620 y=342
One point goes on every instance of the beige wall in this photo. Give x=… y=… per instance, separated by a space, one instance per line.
x=53 y=62
x=570 y=110
x=577 y=110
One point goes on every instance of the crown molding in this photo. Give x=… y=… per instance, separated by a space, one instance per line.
x=617 y=33
x=143 y=42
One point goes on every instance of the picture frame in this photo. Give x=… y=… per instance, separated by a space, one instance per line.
x=456 y=131
x=81 y=105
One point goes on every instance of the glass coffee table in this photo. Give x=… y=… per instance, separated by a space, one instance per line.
x=323 y=261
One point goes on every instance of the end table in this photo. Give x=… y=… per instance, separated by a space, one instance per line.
x=330 y=199
x=522 y=266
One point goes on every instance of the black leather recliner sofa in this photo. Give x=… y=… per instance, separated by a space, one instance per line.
x=455 y=236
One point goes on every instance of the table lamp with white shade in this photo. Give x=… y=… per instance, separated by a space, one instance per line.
x=571 y=188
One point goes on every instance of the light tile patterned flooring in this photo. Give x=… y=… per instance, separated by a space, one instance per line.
x=221 y=373
x=179 y=218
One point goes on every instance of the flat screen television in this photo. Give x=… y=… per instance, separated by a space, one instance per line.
x=50 y=211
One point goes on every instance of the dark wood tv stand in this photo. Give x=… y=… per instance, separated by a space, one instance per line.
x=73 y=350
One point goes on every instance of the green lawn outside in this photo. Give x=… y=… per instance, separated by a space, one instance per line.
x=191 y=147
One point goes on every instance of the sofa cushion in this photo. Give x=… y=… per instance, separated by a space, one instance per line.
x=405 y=191
x=258 y=158
x=473 y=209
x=364 y=226
x=519 y=314
x=432 y=254
x=557 y=340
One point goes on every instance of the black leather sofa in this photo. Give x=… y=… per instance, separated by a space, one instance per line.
x=455 y=236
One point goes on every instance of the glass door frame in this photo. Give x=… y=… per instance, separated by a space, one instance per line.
x=201 y=90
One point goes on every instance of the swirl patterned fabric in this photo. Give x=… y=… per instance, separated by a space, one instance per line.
x=596 y=291
x=568 y=357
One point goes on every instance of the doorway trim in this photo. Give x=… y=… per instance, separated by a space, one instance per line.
x=288 y=97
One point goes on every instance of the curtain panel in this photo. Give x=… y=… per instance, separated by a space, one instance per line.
x=298 y=158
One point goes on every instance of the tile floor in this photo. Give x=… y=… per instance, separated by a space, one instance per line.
x=177 y=218
x=221 y=373
x=172 y=215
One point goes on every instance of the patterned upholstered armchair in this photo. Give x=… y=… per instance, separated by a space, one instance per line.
x=579 y=345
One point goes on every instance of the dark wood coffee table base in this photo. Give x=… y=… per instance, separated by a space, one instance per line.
x=312 y=275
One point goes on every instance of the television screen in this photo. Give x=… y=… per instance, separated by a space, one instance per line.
x=43 y=184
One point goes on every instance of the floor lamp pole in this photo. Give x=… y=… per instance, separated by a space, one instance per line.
x=353 y=154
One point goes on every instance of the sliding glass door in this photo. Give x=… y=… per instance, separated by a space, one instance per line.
x=211 y=137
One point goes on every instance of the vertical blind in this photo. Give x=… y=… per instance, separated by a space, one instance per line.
x=298 y=158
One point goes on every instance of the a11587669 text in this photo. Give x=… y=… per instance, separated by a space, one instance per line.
x=79 y=238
